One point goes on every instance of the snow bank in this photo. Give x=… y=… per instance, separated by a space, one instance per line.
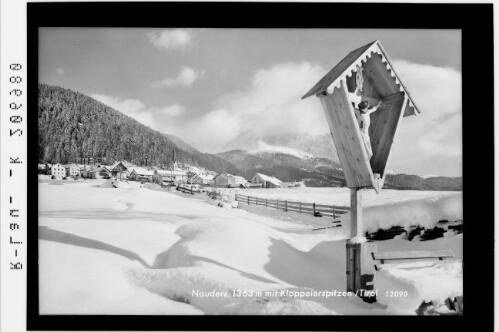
x=135 y=251
x=415 y=286
x=391 y=208
x=425 y=212
x=110 y=183
x=150 y=185
x=341 y=196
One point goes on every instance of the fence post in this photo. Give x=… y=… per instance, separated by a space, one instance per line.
x=300 y=207
x=248 y=200
x=277 y=201
x=314 y=208
x=286 y=206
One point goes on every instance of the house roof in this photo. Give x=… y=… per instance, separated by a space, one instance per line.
x=206 y=177
x=271 y=179
x=349 y=63
x=141 y=171
x=124 y=163
x=237 y=177
x=98 y=169
x=167 y=172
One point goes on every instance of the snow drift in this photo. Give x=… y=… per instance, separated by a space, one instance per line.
x=132 y=250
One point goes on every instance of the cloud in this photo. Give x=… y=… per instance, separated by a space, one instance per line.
x=173 y=110
x=136 y=109
x=171 y=39
x=186 y=77
x=432 y=141
x=60 y=71
x=271 y=105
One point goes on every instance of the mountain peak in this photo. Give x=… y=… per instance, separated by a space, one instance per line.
x=305 y=144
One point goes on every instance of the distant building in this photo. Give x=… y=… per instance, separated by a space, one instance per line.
x=120 y=169
x=58 y=171
x=169 y=176
x=72 y=170
x=203 y=179
x=99 y=172
x=43 y=169
x=141 y=174
x=229 y=180
x=266 y=181
x=84 y=171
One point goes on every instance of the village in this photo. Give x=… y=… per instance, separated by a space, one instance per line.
x=187 y=176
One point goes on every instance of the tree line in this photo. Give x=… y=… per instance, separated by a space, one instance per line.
x=73 y=127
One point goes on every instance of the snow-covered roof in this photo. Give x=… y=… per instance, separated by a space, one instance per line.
x=271 y=179
x=124 y=163
x=98 y=169
x=141 y=171
x=207 y=177
x=237 y=177
x=167 y=172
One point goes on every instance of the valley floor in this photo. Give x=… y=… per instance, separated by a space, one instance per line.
x=134 y=250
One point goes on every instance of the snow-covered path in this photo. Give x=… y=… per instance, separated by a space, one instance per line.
x=133 y=250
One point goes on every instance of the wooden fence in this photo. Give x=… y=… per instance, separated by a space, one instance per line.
x=185 y=190
x=317 y=210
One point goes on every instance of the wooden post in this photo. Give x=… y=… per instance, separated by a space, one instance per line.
x=248 y=200
x=314 y=209
x=300 y=207
x=360 y=266
x=356 y=212
x=265 y=202
x=286 y=206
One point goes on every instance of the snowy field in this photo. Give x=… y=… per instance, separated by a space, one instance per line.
x=341 y=196
x=390 y=208
x=134 y=250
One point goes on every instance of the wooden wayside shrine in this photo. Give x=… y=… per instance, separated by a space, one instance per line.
x=365 y=74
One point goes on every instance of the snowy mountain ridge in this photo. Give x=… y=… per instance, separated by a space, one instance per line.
x=267 y=148
x=300 y=145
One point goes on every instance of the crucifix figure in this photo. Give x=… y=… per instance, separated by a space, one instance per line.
x=363 y=113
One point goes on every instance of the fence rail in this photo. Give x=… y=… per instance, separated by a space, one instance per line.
x=185 y=190
x=317 y=210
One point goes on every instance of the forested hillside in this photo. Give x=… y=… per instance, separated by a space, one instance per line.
x=73 y=126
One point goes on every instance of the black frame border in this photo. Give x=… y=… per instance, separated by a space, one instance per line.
x=476 y=23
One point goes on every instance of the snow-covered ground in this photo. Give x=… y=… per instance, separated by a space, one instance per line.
x=390 y=208
x=341 y=196
x=134 y=250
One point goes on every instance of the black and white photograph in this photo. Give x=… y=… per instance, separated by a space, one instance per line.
x=228 y=166
x=217 y=171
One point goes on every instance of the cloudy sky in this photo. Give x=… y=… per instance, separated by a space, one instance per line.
x=208 y=85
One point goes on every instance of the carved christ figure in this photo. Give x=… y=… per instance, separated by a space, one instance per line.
x=363 y=111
